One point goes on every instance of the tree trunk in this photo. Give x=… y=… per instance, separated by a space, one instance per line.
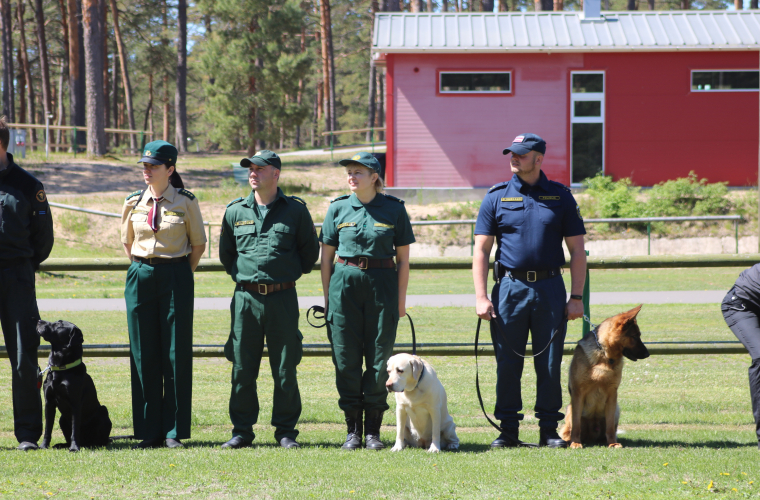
x=106 y=83
x=253 y=119
x=372 y=74
x=61 y=108
x=486 y=5
x=93 y=50
x=444 y=5
x=632 y=5
x=148 y=123
x=685 y=4
x=752 y=4
x=166 y=80
x=24 y=63
x=9 y=100
x=180 y=96
x=76 y=74
x=559 y=5
x=651 y=4
x=325 y=32
x=115 y=99
x=738 y=4
x=39 y=15
x=416 y=5
x=124 y=74
x=544 y=5
x=331 y=57
x=299 y=96
x=380 y=105
x=21 y=83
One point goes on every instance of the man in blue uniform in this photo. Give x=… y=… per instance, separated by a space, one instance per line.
x=26 y=239
x=529 y=216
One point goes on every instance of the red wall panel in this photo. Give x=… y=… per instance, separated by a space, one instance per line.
x=657 y=129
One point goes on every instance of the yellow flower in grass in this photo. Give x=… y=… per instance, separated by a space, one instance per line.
x=665 y=464
x=734 y=489
x=725 y=474
x=709 y=486
x=684 y=482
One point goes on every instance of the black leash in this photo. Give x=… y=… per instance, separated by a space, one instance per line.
x=477 y=374
x=314 y=310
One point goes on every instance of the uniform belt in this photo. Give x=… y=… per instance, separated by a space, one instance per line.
x=529 y=276
x=158 y=260
x=264 y=289
x=367 y=263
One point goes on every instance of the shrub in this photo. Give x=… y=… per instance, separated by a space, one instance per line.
x=613 y=199
x=688 y=196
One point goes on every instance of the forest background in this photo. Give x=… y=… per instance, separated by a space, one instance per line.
x=214 y=75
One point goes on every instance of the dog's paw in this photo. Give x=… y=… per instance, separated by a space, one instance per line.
x=73 y=448
x=614 y=445
x=452 y=447
x=44 y=445
x=576 y=445
x=433 y=449
x=398 y=447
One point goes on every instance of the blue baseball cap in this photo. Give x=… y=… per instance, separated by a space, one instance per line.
x=525 y=143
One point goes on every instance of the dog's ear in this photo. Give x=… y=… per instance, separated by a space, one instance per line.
x=76 y=337
x=630 y=315
x=417 y=367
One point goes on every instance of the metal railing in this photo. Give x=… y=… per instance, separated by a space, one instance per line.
x=333 y=133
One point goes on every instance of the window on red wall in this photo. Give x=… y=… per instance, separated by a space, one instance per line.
x=724 y=80
x=475 y=82
x=586 y=125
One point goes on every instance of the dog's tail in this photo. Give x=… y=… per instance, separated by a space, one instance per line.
x=114 y=438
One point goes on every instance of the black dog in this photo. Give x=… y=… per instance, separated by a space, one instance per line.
x=84 y=421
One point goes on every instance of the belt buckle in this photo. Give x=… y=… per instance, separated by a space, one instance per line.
x=534 y=277
x=366 y=263
x=260 y=285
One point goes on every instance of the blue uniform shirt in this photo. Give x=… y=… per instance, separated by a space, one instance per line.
x=529 y=222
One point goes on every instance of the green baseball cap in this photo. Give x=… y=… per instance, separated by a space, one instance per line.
x=363 y=158
x=262 y=159
x=159 y=153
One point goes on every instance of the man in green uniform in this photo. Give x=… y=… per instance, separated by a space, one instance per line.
x=26 y=239
x=268 y=241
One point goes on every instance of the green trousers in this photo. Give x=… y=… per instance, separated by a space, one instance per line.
x=18 y=318
x=257 y=317
x=160 y=318
x=362 y=318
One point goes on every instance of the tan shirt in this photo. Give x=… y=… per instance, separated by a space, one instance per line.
x=180 y=225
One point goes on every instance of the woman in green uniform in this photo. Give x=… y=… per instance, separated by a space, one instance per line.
x=365 y=293
x=162 y=232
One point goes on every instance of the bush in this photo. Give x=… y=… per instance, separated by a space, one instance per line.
x=688 y=196
x=613 y=199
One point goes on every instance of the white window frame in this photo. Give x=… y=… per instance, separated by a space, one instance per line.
x=691 y=80
x=587 y=96
x=473 y=92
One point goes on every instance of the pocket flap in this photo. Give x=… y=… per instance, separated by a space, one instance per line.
x=138 y=218
x=282 y=228
x=172 y=219
x=245 y=229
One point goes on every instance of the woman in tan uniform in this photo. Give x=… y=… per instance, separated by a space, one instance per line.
x=162 y=232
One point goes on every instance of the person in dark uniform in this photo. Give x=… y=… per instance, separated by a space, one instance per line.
x=741 y=310
x=268 y=242
x=529 y=216
x=26 y=239
x=365 y=293
x=162 y=232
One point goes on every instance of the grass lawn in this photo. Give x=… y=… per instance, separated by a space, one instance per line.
x=680 y=437
x=422 y=282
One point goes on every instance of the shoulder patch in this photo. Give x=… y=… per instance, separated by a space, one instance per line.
x=299 y=200
x=394 y=198
x=238 y=200
x=136 y=193
x=560 y=185
x=345 y=196
x=187 y=193
x=497 y=186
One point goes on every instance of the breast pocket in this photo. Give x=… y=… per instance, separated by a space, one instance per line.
x=512 y=214
x=173 y=225
x=347 y=240
x=140 y=226
x=284 y=236
x=550 y=211
x=245 y=237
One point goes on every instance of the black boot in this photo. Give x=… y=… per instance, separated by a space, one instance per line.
x=354 y=424
x=372 y=421
x=550 y=438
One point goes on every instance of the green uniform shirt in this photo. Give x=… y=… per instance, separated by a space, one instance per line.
x=373 y=230
x=274 y=248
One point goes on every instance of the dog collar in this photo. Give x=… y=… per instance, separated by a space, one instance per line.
x=422 y=374
x=71 y=365
x=593 y=332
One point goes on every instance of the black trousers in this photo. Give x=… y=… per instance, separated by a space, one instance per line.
x=18 y=317
x=743 y=318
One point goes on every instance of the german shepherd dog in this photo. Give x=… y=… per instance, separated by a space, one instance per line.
x=595 y=374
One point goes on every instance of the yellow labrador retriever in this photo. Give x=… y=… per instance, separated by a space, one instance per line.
x=422 y=415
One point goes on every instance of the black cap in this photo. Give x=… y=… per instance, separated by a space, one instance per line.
x=365 y=159
x=525 y=143
x=159 y=153
x=262 y=159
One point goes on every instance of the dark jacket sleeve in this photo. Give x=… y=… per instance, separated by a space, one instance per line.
x=307 y=242
x=41 y=227
x=227 y=248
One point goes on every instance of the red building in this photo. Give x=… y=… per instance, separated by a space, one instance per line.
x=647 y=95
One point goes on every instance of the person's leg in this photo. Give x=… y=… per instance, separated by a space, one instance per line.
x=244 y=348
x=284 y=343
x=509 y=331
x=547 y=319
x=145 y=351
x=176 y=321
x=18 y=318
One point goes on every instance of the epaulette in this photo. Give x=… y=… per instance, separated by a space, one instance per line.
x=299 y=200
x=340 y=198
x=390 y=197
x=561 y=185
x=498 y=186
x=136 y=193
x=187 y=193
x=238 y=200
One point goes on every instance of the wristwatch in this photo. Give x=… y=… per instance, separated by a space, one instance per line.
x=576 y=297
